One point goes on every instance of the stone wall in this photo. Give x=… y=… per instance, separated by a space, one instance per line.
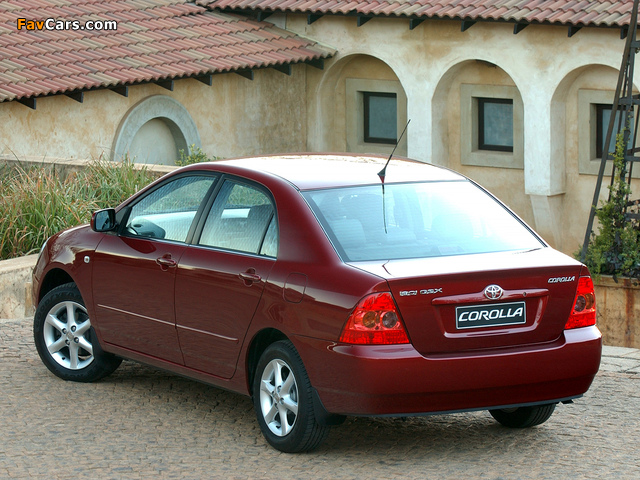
x=15 y=287
x=618 y=307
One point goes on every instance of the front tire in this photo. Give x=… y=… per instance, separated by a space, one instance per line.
x=65 y=340
x=523 y=417
x=283 y=401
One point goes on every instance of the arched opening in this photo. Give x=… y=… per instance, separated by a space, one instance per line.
x=360 y=106
x=578 y=123
x=457 y=120
x=461 y=123
x=154 y=131
x=156 y=143
x=578 y=120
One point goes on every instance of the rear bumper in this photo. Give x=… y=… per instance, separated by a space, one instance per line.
x=397 y=380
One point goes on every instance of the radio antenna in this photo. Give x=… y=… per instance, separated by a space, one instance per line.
x=382 y=173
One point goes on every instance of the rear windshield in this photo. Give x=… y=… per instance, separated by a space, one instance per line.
x=416 y=220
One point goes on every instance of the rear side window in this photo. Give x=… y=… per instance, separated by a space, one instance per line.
x=242 y=218
x=416 y=220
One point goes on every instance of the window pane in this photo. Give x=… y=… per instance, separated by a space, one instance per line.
x=380 y=117
x=417 y=220
x=167 y=213
x=604 y=117
x=239 y=220
x=603 y=113
x=495 y=124
x=270 y=244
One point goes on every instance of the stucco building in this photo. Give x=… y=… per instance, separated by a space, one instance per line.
x=512 y=93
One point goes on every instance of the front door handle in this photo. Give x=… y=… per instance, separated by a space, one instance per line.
x=250 y=277
x=166 y=261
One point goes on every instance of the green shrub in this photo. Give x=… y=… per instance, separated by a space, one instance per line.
x=615 y=249
x=36 y=202
x=196 y=155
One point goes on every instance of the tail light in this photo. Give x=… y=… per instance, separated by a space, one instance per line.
x=375 y=321
x=583 y=313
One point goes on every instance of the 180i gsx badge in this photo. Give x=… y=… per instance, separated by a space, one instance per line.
x=497 y=314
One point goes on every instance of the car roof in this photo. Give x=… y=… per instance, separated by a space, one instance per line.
x=315 y=171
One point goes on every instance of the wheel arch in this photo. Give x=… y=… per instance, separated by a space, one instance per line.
x=259 y=344
x=54 y=278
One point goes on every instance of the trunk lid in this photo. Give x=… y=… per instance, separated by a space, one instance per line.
x=443 y=303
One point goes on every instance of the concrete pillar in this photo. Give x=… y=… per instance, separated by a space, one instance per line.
x=544 y=161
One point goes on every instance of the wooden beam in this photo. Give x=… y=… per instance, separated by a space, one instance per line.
x=624 y=31
x=206 y=79
x=264 y=15
x=123 y=90
x=573 y=30
x=284 y=68
x=362 y=19
x=466 y=25
x=518 y=27
x=77 y=96
x=414 y=22
x=245 y=73
x=312 y=18
x=168 y=84
x=317 y=63
x=28 y=102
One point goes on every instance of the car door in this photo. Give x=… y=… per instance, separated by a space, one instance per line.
x=220 y=279
x=134 y=270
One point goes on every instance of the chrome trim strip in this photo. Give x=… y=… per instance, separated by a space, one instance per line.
x=164 y=322
x=231 y=339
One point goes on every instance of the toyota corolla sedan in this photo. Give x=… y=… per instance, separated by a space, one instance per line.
x=322 y=287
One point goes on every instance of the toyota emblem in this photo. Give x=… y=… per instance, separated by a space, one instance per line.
x=493 y=292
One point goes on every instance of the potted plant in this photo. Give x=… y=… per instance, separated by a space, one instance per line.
x=613 y=257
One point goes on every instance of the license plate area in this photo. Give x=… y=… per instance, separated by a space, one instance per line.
x=491 y=315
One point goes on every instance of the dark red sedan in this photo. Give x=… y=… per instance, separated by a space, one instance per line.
x=323 y=289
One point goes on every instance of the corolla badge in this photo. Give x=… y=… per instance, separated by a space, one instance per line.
x=493 y=292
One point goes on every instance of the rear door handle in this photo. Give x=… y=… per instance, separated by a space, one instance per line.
x=249 y=277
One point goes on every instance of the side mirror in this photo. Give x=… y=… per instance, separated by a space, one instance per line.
x=103 y=220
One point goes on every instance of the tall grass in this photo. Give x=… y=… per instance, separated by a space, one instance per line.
x=37 y=202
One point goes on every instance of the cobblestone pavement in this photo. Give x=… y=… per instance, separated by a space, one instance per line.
x=141 y=423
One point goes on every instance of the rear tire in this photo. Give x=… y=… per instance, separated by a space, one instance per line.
x=523 y=417
x=283 y=401
x=65 y=340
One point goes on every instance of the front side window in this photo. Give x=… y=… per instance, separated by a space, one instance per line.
x=168 y=212
x=495 y=124
x=242 y=218
x=417 y=220
x=380 y=117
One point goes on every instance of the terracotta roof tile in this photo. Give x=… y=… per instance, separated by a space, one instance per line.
x=612 y=13
x=154 y=40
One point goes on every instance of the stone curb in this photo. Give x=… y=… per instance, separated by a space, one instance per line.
x=15 y=287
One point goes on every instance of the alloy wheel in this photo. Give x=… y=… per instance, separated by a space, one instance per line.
x=66 y=335
x=279 y=397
